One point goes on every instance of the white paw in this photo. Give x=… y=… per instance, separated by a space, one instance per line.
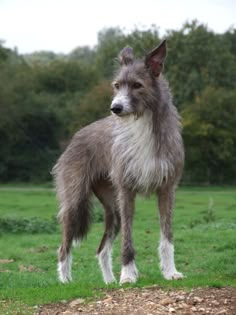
x=129 y=273
x=110 y=279
x=105 y=262
x=65 y=278
x=64 y=270
x=173 y=275
x=124 y=280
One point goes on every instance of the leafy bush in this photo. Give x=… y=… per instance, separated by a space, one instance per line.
x=32 y=225
x=37 y=225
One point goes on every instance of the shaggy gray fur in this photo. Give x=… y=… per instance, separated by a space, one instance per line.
x=138 y=149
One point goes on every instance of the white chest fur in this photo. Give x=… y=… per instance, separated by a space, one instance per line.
x=135 y=154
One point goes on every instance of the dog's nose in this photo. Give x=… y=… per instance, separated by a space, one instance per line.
x=117 y=108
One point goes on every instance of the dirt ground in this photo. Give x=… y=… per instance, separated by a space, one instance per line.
x=150 y=301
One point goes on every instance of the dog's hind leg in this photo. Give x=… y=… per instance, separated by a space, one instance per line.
x=75 y=225
x=105 y=193
x=166 y=248
x=64 y=255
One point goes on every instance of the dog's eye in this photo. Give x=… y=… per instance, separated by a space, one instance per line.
x=137 y=85
x=116 y=85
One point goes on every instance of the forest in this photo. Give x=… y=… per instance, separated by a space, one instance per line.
x=46 y=97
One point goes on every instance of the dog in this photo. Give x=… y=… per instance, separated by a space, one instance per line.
x=137 y=149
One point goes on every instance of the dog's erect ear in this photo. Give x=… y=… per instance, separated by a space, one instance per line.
x=126 y=56
x=155 y=59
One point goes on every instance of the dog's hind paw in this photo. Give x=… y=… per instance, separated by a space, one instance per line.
x=64 y=270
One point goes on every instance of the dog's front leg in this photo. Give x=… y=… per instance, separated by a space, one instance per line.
x=129 y=272
x=166 y=197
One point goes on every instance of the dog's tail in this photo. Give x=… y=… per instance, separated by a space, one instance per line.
x=74 y=192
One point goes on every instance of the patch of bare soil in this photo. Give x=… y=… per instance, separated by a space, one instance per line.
x=151 y=301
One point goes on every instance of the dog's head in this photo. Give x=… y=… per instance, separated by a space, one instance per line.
x=135 y=85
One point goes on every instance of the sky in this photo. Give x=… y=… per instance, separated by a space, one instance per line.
x=62 y=25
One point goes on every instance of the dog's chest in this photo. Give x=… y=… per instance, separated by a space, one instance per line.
x=135 y=154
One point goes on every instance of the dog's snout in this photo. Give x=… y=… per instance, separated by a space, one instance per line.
x=117 y=108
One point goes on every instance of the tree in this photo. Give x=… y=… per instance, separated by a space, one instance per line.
x=62 y=76
x=41 y=57
x=85 y=55
x=46 y=97
x=94 y=105
x=210 y=136
x=29 y=130
x=197 y=58
x=4 y=52
x=33 y=153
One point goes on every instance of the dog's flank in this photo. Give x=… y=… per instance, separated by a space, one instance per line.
x=138 y=149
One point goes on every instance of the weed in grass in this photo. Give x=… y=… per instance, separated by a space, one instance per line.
x=194 y=223
x=208 y=215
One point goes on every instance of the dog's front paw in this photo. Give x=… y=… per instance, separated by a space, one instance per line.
x=127 y=280
x=129 y=273
x=109 y=280
x=173 y=275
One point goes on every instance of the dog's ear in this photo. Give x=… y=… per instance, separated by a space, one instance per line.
x=126 y=56
x=155 y=59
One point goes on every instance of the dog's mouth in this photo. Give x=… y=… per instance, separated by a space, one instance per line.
x=124 y=115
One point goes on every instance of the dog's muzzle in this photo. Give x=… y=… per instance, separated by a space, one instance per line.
x=117 y=108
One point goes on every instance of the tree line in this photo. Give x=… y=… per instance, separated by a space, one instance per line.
x=45 y=97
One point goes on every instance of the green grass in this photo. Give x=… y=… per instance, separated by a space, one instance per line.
x=205 y=246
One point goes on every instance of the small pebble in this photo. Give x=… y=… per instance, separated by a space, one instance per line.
x=197 y=299
x=166 y=301
x=180 y=298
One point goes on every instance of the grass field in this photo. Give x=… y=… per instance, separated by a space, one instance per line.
x=205 y=242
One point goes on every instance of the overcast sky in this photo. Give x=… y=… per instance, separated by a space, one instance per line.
x=62 y=25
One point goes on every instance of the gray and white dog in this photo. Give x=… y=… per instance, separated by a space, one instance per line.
x=137 y=149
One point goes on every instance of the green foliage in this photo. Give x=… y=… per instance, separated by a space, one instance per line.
x=210 y=136
x=46 y=97
x=85 y=55
x=198 y=58
x=66 y=77
x=4 y=53
x=32 y=225
x=41 y=58
x=94 y=105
